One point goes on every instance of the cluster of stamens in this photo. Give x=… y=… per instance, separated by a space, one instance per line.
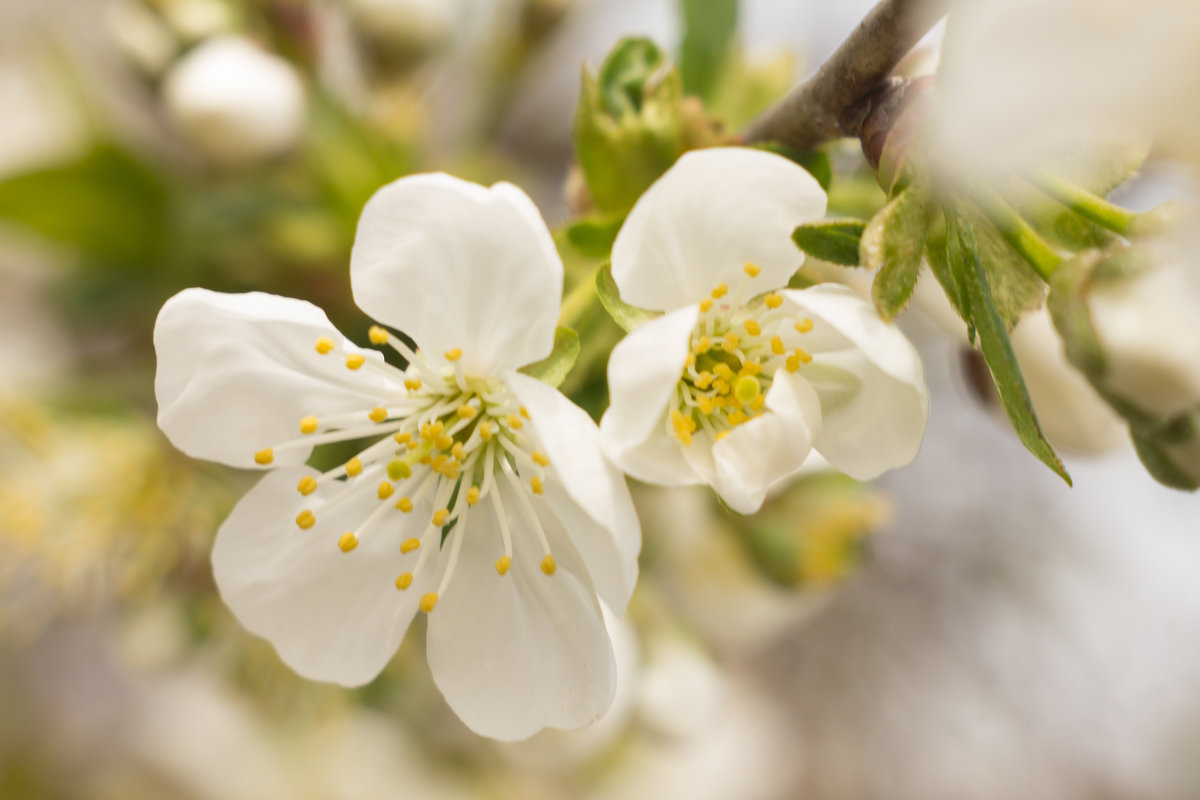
x=443 y=435
x=734 y=352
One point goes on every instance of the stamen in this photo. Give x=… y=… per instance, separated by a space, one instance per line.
x=410 y=544
x=548 y=565
x=527 y=505
x=466 y=411
x=535 y=484
x=309 y=425
x=472 y=495
x=404 y=504
x=705 y=305
x=453 y=355
x=503 y=563
x=355 y=360
x=404 y=580
x=752 y=327
x=514 y=422
x=377 y=335
x=439 y=516
x=777 y=346
x=730 y=342
x=306 y=519
x=753 y=270
x=384 y=491
x=428 y=601
x=307 y=485
x=354 y=467
x=347 y=542
x=804 y=326
x=773 y=300
x=720 y=291
x=324 y=345
x=264 y=457
x=485 y=430
x=378 y=414
x=540 y=458
x=412 y=384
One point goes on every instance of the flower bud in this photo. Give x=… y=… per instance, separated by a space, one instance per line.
x=1171 y=452
x=403 y=27
x=234 y=102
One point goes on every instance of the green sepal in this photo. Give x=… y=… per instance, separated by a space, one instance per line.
x=832 y=240
x=1156 y=458
x=552 y=369
x=625 y=315
x=892 y=245
x=964 y=260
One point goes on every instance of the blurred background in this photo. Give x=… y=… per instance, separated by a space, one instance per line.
x=968 y=628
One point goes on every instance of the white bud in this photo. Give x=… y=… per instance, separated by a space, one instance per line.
x=409 y=24
x=234 y=102
x=142 y=36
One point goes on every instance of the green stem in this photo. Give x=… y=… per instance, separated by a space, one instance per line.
x=1019 y=234
x=578 y=300
x=1084 y=203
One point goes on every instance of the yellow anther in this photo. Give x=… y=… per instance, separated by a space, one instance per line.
x=444 y=442
x=398 y=470
x=466 y=412
x=802 y=354
x=354 y=467
x=502 y=564
x=485 y=430
x=705 y=304
x=472 y=495
x=737 y=417
x=403 y=438
x=689 y=361
x=753 y=270
x=408 y=545
x=307 y=485
x=747 y=389
x=804 y=326
x=384 y=491
x=459 y=452
x=264 y=457
x=777 y=346
x=721 y=386
x=305 y=519
x=439 y=516
x=773 y=300
x=720 y=435
x=548 y=565
x=453 y=354
x=347 y=542
x=325 y=345
x=751 y=368
x=535 y=484
x=412 y=384
x=719 y=291
x=730 y=342
x=355 y=360
x=540 y=458
x=757 y=403
x=723 y=371
x=377 y=335
x=426 y=459
x=752 y=327
x=514 y=422
x=403 y=580
x=428 y=601
x=704 y=380
x=703 y=345
x=792 y=363
x=524 y=412
x=705 y=404
x=378 y=414
x=433 y=431
x=404 y=504
x=309 y=425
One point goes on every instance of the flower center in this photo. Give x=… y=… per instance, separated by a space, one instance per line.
x=733 y=354
x=445 y=436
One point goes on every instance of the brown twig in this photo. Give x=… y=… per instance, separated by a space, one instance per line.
x=815 y=111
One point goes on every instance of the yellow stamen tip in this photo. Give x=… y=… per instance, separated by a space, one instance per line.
x=719 y=291
x=703 y=345
x=384 y=491
x=777 y=346
x=443 y=442
x=804 y=326
x=540 y=458
x=305 y=519
x=472 y=495
x=355 y=360
x=705 y=304
x=403 y=438
x=347 y=542
x=548 y=565
x=354 y=467
x=428 y=601
x=747 y=389
x=773 y=300
x=454 y=354
x=439 y=516
x=721 y=435
x=752 y=327
x=803 y=355
x=753 y=270
x=404 y=580
x=377 y=335
x=459 y=452
x=524 y=412
x=466 y=412
x=378 y=414
x=502 y=564
x=485 y=430
x=535 y=483
x=412 y=384
x=307 y=485
x=309 y=425
x=514 y=422
x=324 y=345
x=408 y=545
x=758 y=402
x=404 y=504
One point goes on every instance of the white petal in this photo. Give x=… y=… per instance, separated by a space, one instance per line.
x=705 y=218
x=763 y=452
x=643 y=371
x=587 y=493
x=659 y=460
x=880 y=424
x=237 y=372
x=525 y=651
x=458 y=265
x=332 y=616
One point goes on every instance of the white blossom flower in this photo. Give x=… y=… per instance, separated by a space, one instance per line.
x=235 y=102
x=484 y=501
x=734 y=387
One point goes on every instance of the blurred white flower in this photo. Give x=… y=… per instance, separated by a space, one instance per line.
x=414 y=25
x=234 y=102
x=481 y=469
x=735 y=387
x=681 y=689
x=141 y=35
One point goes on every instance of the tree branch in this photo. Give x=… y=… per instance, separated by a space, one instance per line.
x=815 y=111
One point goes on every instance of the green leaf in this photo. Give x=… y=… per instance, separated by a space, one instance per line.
x=816 y=162
x=1155 y=455
x=593 y=236
x=833 y=240
x=109 y=206
x=625 y=315
x=552 y=369
x=965 y=260
x=626 y=75
x=709 y=28
x=892 y=244
x=939 y=262
x=1014 y=286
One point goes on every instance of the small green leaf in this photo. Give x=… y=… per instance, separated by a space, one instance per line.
x=965 y=260
x=1014 y=287
x=625 y=315
x=892 y=244
x=833 y=240
x=709 y=28
x=939 y=262
x=593 y=236
x=552 y=369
